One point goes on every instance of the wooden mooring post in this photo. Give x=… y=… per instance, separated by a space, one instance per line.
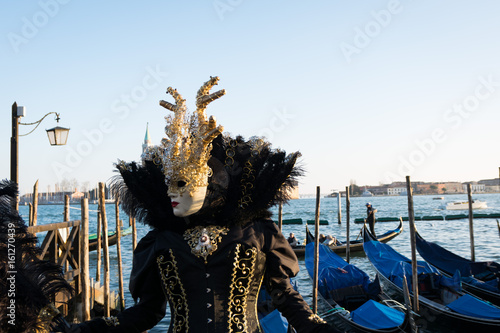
x=411 y=220
x=339 y=206
x=316 y=251
x=119 y=254
x=67 y=214
x=131 y=222
x=104 y=221
x=347 y=232
x=66 y=208
x=280 y=216
x=84 y=261
x=99 y=244
x=471 y=224
x=34 y=209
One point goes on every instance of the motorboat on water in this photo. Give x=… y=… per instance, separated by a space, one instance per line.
x=464 y=205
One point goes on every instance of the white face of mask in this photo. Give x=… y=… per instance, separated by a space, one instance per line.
x=184 y=204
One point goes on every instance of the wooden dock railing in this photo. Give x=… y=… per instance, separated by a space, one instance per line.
x=64 y=252
x=67 y=244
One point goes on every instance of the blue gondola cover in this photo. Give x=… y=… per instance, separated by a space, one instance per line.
x=274 y=323
x=377 y=316
x=474 y=307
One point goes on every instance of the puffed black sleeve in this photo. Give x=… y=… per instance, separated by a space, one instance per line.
x=281 y=264
x=145 y=286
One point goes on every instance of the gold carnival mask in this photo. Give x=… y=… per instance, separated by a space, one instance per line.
x=184 y=153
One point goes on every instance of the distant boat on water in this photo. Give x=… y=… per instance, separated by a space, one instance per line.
x=367 y=194
x=464 y=205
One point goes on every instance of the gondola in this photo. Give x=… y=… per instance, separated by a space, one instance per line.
x=112 y=238
x=357 y=302
x=481 y=279
x=354 y=246
x=442 y=304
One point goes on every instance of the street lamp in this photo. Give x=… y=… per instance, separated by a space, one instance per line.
x=57 y=137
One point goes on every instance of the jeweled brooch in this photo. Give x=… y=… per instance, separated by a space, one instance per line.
x=204 y=241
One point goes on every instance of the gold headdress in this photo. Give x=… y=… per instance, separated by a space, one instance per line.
x=184 y=153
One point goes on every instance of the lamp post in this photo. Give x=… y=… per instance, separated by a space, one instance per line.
x=57 y=137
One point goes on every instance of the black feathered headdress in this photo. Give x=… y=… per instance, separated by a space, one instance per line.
x=26 y=282
x=258 y=178
x=248 y=178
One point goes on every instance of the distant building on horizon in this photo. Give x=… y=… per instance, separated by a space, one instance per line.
x=491 y=185
x=475 y=187
x=439 y=188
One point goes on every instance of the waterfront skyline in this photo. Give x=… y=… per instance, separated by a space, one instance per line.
x=367 y=91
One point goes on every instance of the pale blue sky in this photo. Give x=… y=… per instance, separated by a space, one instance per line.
x=366 y=90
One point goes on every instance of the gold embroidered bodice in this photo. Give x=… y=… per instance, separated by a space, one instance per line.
x=224 y=285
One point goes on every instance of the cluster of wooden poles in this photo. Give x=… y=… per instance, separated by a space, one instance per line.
x=102 y=243
x=70 y=249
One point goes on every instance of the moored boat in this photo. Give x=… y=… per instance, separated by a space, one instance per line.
x=112 y=238
x=354 y=246
x=441 y=301
x=357 y=245
x=478 y=278
x=358 y=303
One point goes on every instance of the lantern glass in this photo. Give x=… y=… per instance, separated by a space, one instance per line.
x=58 y=136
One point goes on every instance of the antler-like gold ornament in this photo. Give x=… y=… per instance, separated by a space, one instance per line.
x=185 y=152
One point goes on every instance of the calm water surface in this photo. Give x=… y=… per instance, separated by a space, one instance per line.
x=453 y=235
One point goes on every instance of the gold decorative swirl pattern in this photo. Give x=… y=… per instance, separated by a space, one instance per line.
x=175 y=292
x=241 y=279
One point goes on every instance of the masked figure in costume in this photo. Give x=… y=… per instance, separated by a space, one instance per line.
x=213 y=246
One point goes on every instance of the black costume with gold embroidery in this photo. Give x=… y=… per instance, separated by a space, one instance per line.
x=210 y=266
x=220 y=295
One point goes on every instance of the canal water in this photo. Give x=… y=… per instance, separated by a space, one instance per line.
x=452 y=234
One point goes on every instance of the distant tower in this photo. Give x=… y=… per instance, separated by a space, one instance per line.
x=147 y=142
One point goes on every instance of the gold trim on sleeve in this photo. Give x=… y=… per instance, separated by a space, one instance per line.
x=175 y=292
